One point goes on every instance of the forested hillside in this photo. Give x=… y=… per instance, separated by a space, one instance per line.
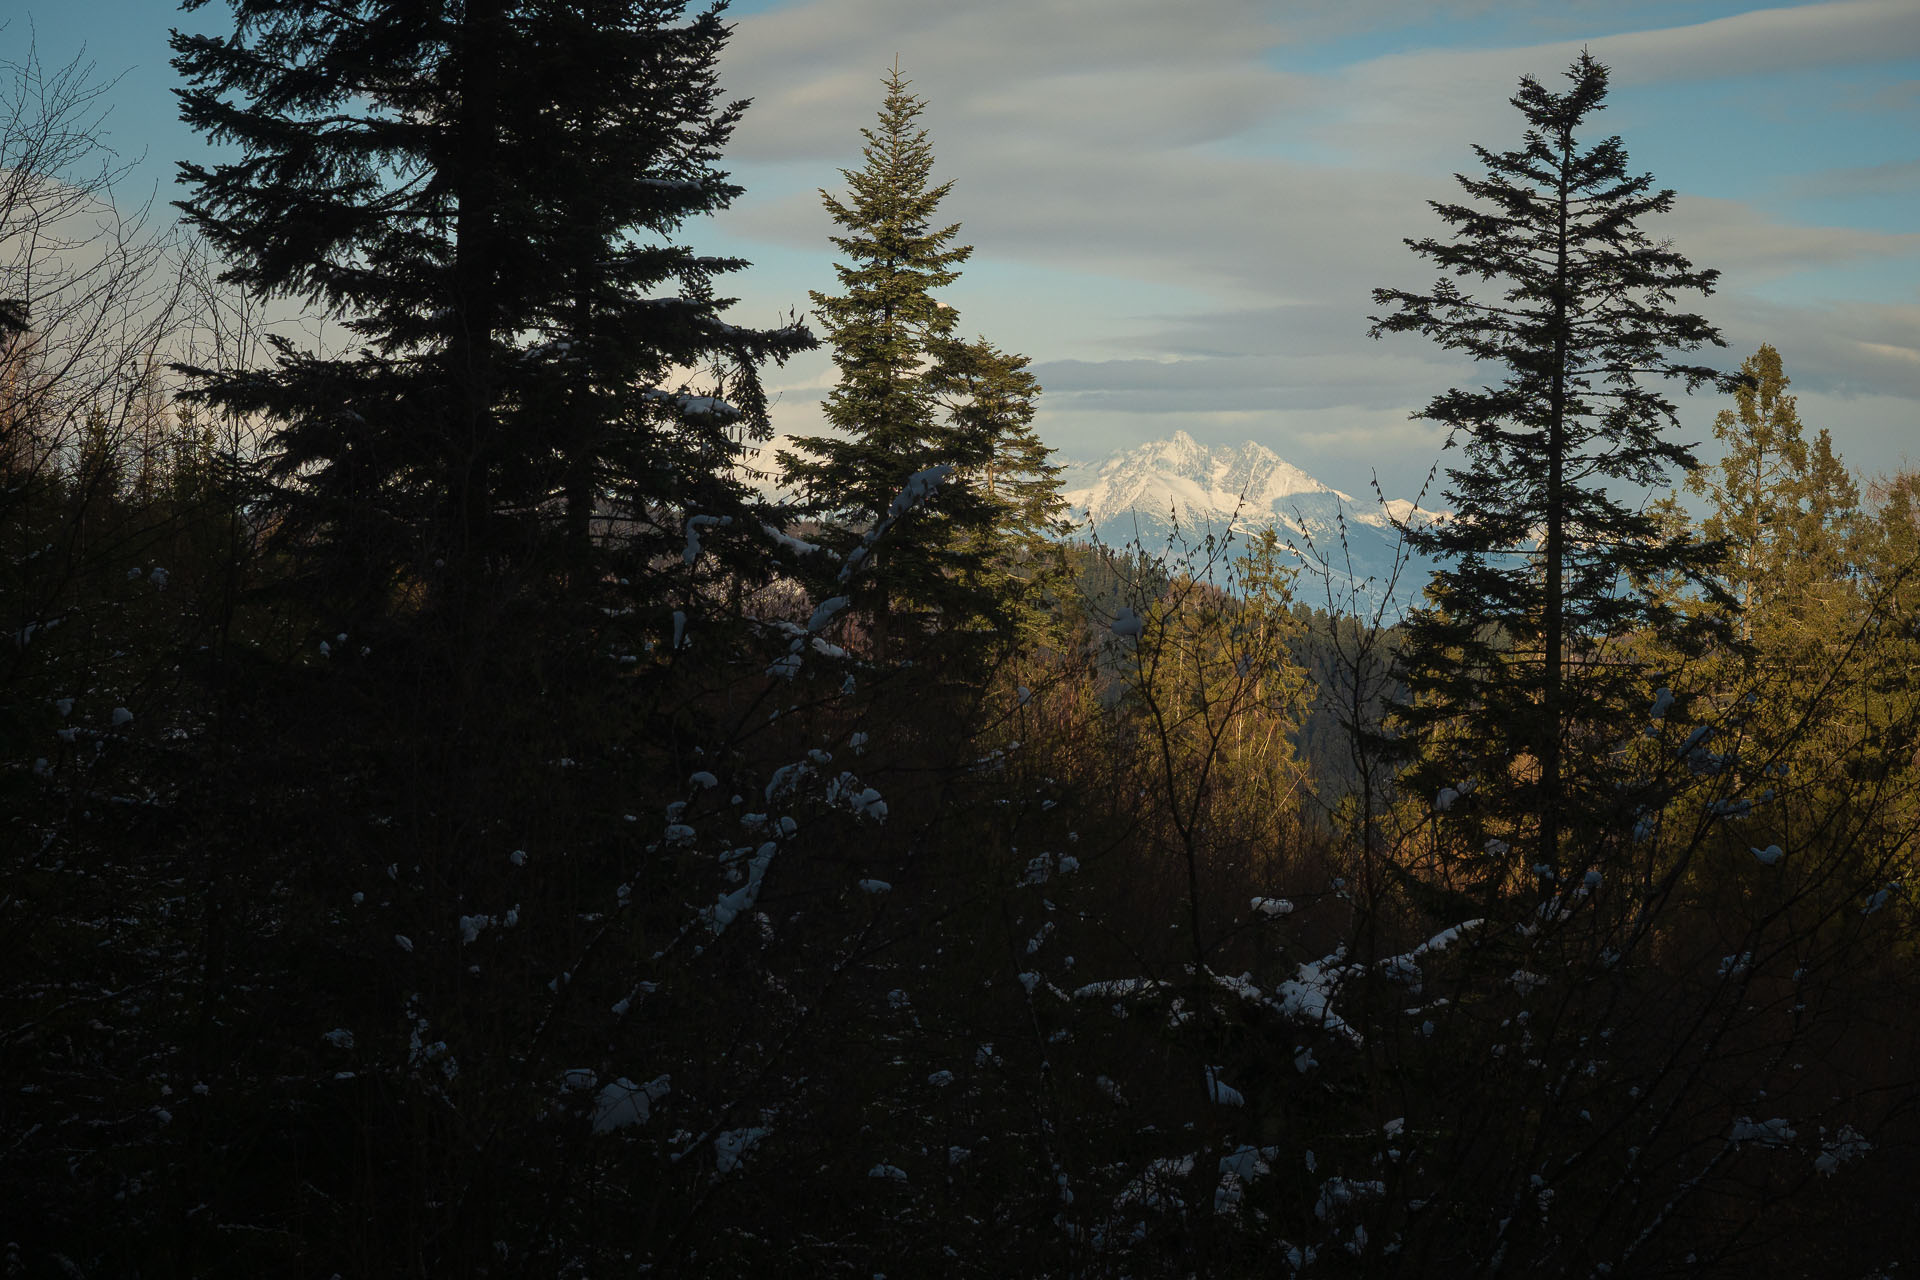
x=456 y=818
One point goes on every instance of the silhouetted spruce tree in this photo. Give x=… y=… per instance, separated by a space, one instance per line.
x=613 y=175
x=1508 y=665
x=487 y=196
x=912 y=395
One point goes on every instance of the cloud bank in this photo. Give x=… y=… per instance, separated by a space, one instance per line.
x=1249 y=176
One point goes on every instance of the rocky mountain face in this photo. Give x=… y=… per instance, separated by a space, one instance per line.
x=1169 y=495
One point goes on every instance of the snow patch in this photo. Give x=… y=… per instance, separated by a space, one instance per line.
x=625 y=1103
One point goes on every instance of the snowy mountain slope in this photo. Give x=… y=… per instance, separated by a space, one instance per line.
x=1140 y=492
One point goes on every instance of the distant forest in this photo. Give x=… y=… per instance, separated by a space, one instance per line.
x=459 y=817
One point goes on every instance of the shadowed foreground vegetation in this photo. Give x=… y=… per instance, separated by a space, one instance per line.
x=453 y=823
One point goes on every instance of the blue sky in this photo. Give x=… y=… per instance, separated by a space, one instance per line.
x=1179 y=210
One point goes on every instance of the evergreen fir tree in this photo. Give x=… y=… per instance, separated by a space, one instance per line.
x=1889 y=561
x=1015 y=517
x=627 y=314
x=1785 y=510
x=99 y=466
x=911 y=395
x=486 y=198
x=1783 y=505
x=1508 y=661
x=193 y=454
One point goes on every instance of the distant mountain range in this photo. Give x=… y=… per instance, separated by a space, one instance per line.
x=1139 y=493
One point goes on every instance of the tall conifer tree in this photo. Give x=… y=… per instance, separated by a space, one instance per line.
x=1783 y=505
x=913 y=394
x=485 y=193
x=1508 y=661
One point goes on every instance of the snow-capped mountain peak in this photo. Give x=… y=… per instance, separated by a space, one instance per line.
x=1246 y=484
x=1137 y=492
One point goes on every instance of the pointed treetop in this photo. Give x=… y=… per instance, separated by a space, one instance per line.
x=1560 y=112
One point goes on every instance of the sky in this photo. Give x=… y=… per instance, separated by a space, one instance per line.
x=1179 y=210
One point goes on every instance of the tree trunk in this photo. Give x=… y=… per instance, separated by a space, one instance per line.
x=470 y=345
x=582 y=447
x=1553 y=640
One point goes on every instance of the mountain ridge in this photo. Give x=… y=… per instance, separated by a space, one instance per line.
x=1345 y=547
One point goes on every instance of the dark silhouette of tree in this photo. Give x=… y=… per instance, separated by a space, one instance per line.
x=488 y=201
x=1508 y=658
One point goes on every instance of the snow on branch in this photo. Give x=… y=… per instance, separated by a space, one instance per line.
x=919 y=488
x=689 y=406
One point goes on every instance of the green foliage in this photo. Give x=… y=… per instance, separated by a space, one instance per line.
x=1510 y=657
x=886 y=319
x=913 y=395
x=1820 y=671
x=1011 y=520
x=1784 y=507
x=1212 y=678
x=99 y=469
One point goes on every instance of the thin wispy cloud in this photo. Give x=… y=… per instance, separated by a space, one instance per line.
x=1179 y=211
x=1250 y=171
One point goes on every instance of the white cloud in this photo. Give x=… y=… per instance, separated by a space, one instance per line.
x=1131 y=144
x=1119 y=72
x=1749 y=246
x=1840 y=349
x=1413 y=110
x=1897 y=177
